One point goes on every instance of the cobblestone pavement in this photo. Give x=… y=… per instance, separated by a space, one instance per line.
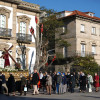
x=67 y=96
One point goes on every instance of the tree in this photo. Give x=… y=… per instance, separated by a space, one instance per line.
x=86 y=64
x=46 y=44
x=52 y=26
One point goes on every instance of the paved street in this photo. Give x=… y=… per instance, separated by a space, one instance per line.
x=66 y=96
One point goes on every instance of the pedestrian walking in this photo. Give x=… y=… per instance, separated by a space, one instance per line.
x=35 y=80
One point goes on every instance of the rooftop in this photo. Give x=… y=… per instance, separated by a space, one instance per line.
x=89 y=15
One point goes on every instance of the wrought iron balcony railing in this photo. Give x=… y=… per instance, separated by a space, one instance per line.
x=5 y=33
x=24 y=38
x=83 y=54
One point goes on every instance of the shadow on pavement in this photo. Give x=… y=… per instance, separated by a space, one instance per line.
x=92 y=97
x=4 y=97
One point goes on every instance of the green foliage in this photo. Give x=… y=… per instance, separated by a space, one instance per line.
x=63 y=43
x=50 y=24
x=86 y=64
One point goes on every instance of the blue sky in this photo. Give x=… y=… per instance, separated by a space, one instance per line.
x=70 y=5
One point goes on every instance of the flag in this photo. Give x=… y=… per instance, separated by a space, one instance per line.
x=32 y=30
x=36 y=19
x=41 y=28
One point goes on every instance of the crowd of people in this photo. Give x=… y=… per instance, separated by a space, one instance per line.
x=58 y=82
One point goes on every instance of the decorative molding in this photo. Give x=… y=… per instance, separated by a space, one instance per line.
x=25 y=19
x=5 y=11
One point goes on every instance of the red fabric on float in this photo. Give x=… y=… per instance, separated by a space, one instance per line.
x=6 y=57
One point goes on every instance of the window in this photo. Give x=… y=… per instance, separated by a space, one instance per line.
x=83 y=50
x=82 y=28
x=93 y=49
x=93 y=30
x=2 y=21
x=64 y=52
x=23 y=27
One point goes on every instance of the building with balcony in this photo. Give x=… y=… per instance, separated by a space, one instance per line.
x=16 y=19
x=83 y=33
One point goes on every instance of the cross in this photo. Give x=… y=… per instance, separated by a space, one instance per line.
x=18 y=65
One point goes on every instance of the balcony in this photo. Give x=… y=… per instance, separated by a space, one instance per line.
x=5 y=33
x=84 y=54
x=24 y=38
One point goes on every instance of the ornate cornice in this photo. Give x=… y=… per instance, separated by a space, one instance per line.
x=24 y=18
x=24 y=5
x=5 y=11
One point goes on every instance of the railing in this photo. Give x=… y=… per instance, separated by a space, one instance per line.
x=85 y=53
x=5 y=32
x=24 y=38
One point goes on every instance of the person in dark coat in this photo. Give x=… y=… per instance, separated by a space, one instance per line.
x=4 y=86
x=0 y=82
x=44 y=82
x=11 y=85
x=67 y=79
x=59 y=83
x=23 y=84
x=72 y=83
x=64 y=83
x=35 y=80
x=54 y=79
x=80 y=81
x=83 y=78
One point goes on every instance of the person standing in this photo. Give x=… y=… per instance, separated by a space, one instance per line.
x=64 y=83
x=23 y=84
x=54 y=79
x=0 y=82
x=59 y=83
x=96 y=82
x=49 y=84
x=35 y=80
x=4 y=84
x=72 y=83
x=83 y=77
x=11 y=85
x=44 y=82
x=90 y=82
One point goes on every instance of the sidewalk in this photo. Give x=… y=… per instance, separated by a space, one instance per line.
x=67 y=96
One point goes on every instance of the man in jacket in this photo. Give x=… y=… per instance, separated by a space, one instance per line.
x=35 y=80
